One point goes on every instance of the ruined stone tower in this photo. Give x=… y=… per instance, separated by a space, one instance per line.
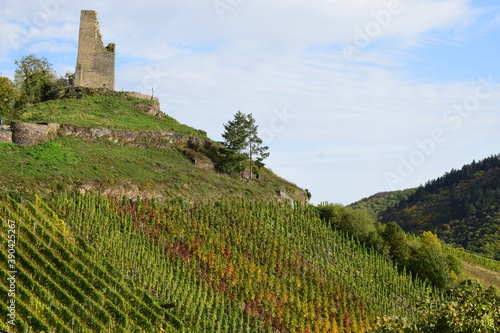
x=95 y=65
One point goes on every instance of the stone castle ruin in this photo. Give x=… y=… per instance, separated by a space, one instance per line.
x=95 y=64
x=95 y=68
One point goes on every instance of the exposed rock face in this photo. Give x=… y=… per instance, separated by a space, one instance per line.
x=152 y=109
x=30 y=134
x=149 y=108
x=200 y=160
x=140 y=139
x=5 y=134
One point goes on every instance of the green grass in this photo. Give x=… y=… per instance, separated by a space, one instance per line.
x=97 y=164
x=114 y=112
x=485 y=270
x=100 y=165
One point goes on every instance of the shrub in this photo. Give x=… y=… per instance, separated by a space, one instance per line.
x=471 y=308
x=355 y=222
x=395 y=239
x=430 y=262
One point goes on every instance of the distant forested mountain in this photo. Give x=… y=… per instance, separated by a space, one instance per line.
x=461 y=207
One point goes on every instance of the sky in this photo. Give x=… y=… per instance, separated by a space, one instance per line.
x=353 y=97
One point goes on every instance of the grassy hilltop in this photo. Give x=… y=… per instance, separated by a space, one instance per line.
x=146 y=168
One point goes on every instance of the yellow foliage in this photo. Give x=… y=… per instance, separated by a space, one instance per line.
x=430 y=242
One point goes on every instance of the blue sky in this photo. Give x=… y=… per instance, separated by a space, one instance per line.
x=352 y=97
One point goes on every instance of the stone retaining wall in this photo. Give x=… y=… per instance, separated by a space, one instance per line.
x=30 y=134
x=5 y=134
x=141 y=139
x=141 y=96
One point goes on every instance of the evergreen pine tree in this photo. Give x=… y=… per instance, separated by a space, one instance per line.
x=241 y=142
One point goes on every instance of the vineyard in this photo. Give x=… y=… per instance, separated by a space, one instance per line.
x=221 y=253
x=62 y=284
x=227 y=266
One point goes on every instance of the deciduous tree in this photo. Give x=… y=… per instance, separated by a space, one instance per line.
x=33 y=78
x=395 y=238
x=471 y=308
x=8 y=97
x=430 y=262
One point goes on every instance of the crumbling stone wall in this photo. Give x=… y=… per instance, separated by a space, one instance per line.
x=153 y=108
x=141 y=96
x=95 y=65
x=139 y=139
x=30 y=134
x=5 y=134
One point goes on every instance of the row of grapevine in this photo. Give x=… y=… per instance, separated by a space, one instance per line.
x=62 y=288
x=473 y=258
x=167 y=277
x=241 y=266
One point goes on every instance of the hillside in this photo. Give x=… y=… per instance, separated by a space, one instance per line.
x=379 y=202
x=57 y=282
x=232 y=266
x=132 y=214
x=85 y=107
x=111 y=143
x=462 y=208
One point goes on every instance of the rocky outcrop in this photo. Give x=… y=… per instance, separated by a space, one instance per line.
x=152 y=109
x=5 y=134
x=31 y=134
x=140 y=139
x=200 y=160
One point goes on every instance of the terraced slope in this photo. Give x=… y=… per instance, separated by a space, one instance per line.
x=246 y=266
x=61 y=284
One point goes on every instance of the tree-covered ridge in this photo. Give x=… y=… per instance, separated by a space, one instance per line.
x=379 y=202
x=462 y=207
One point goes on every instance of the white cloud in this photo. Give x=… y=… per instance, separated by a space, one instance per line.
x=52 y=47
